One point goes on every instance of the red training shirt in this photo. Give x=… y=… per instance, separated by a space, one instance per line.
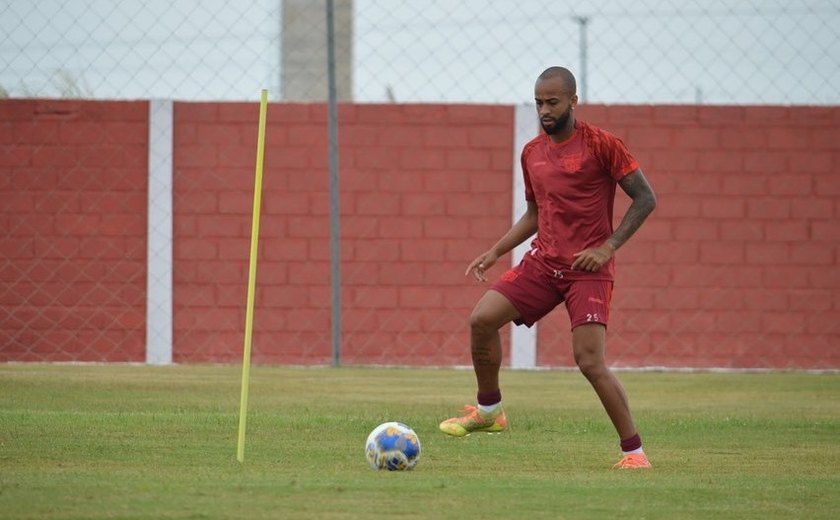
x=573 y=184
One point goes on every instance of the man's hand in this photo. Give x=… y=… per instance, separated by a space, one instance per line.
x=593 y=258
x=481 y=264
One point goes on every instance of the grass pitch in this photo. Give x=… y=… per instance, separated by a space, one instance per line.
x=160 y=442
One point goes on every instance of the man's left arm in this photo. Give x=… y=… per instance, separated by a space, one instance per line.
x=637 y=188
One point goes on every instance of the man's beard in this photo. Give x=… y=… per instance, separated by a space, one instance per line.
x=558 y=124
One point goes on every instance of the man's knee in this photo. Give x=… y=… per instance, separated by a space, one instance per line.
x=491 y=312
x=588 y=344
x=482 y=321
x=590 y=364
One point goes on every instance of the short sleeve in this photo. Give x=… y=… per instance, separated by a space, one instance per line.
x=529 y=190
x=614 y=155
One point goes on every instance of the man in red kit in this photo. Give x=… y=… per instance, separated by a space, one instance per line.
x=571 y=171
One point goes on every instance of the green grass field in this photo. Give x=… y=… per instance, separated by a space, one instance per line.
x=160 y=442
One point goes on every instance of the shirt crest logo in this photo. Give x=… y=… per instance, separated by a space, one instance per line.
x=569 y=163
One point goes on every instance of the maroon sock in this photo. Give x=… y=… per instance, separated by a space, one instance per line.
x=631 y=443
x=489 y=398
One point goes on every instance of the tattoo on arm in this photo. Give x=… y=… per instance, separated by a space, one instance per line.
x=644 y=200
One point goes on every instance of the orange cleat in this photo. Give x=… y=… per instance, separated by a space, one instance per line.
x=633 y=461
x=474 y=421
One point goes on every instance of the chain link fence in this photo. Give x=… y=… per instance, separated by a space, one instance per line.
x=74 y=225
x=648 y=51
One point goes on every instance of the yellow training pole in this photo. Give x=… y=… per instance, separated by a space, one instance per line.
x=252 y=274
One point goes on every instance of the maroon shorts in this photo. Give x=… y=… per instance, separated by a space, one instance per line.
x=535 y=290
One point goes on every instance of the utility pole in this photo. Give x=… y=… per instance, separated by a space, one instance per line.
x=332 y=144
x=304 y=57
x=582 y=22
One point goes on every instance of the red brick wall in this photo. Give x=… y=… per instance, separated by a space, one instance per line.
x=423 y=188
x=73 y=180
x=736 y=268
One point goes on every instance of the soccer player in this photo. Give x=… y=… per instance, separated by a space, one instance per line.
x=571 y=171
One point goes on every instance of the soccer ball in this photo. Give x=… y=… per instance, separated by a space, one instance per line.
x=392 y=446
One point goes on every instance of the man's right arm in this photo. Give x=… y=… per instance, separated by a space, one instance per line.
x=525 y=227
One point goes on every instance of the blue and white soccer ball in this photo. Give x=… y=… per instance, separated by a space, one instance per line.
x=392 y=446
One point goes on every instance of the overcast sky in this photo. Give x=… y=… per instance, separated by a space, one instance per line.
x=487 y=51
